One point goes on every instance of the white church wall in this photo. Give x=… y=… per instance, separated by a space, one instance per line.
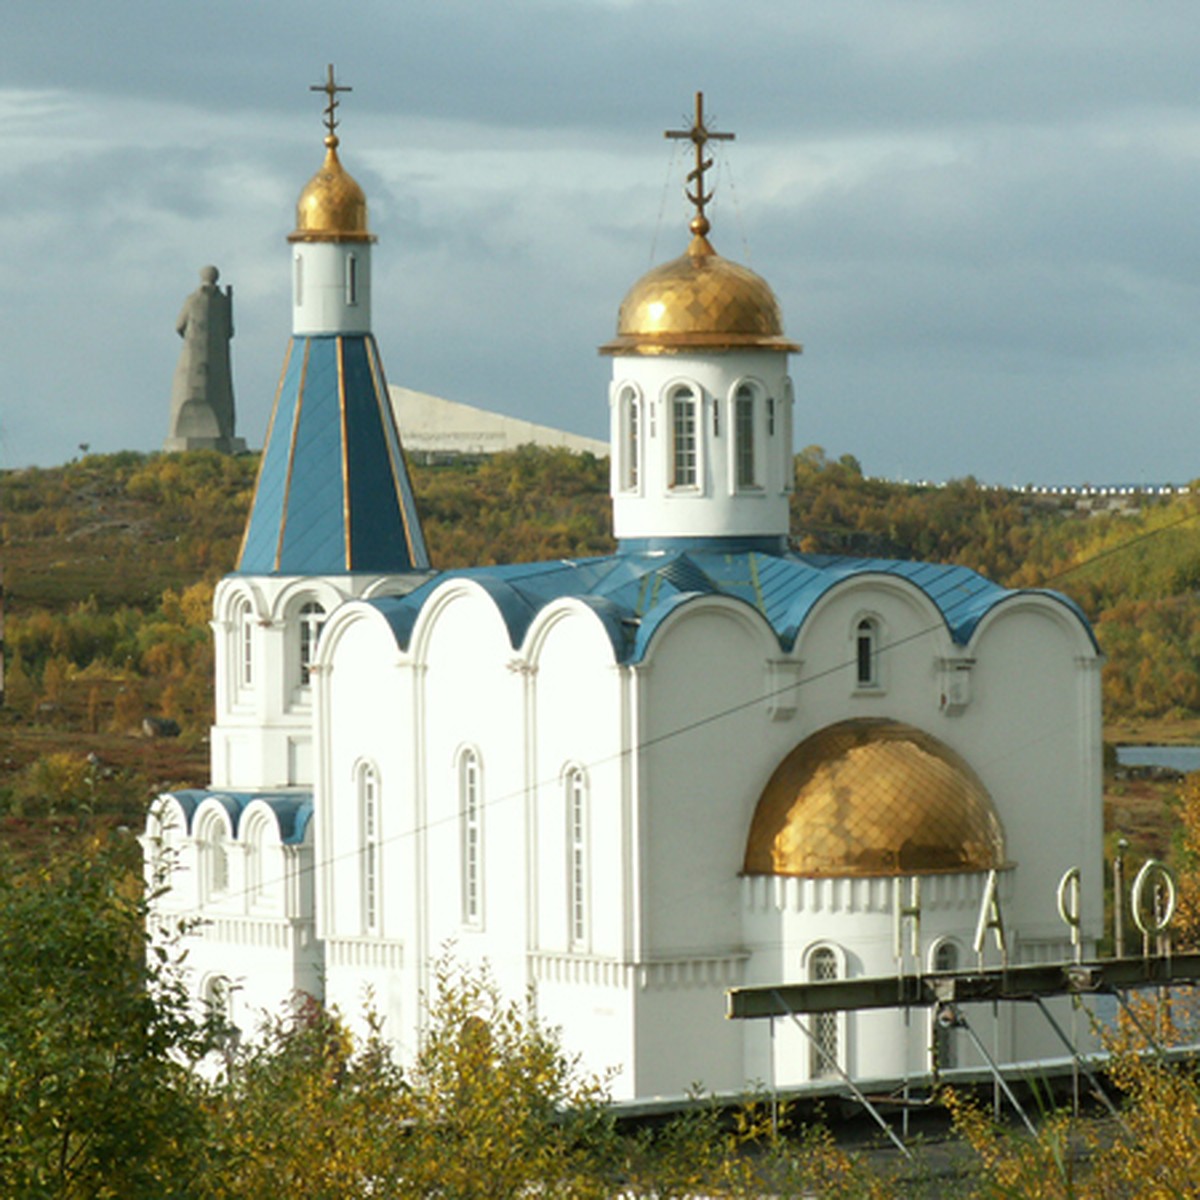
x=706 y=737
x=1033 y=733
x=365 y=741
x=575 y=739
x=583 y=858
x=474 y=783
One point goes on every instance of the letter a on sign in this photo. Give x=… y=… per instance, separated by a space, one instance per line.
x=990 y=917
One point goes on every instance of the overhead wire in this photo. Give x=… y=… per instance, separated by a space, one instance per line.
x=698 y=723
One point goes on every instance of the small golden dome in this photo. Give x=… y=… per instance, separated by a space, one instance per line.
x=699 y=301
x=332 y=207
x=873 y=797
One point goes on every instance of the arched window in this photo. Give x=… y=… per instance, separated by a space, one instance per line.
x=243 y=619
x=945 y=1044
x=368 y=824
x=631 y=440
x=684 y=450
x=352 y=279
x=470 y=809
x=577 y=857
x=299 y=280
x=824 y=1051
x=217 y=993
x=214 y=851
x=312 y=618
x=866 y=652
x=252 y=843
x=746 y=465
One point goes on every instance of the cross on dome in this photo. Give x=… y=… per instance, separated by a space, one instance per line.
x=331 y=88
x=699 y=135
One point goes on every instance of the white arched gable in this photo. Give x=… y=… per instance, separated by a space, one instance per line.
x=213 y=834
x=298 y=592
x=868 y=596
x=395 y=585
x=258 y=831
x=353 y=614
x=555 y=617
x=167 y=820
x=232 y=592
x=449 y=594
x=259 y=825
x=728 y=608
x=211 y=814
x=1056 y=612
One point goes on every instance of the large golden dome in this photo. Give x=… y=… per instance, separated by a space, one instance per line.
x=699 y=301
x=332 y=207
x=873 y=797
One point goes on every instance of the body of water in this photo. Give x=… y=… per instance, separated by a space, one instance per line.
x=1177 y=758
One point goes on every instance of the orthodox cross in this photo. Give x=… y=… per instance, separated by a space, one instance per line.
x=699 y=135
x=331 y=88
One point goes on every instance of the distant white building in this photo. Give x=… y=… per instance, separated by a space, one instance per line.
x=632 y=782
x=433 y=427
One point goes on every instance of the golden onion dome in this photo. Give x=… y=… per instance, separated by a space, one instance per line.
x=699 y=301
x=873 y=797
x=332 y=207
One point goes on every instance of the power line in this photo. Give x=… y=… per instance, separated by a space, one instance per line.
x=717 y=715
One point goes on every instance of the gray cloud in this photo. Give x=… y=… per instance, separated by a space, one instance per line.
x=978 y=218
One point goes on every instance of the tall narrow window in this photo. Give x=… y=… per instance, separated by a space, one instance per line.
x=770 y=416
x=824 y=1050
x=744 y=436
x=945 y=1044
x=299 y=281
x=312 y=618
x=244 y=618
x=216 y=859
x=867 y=653
x=631 y=440
x=368 y=808
x=683 y=438
x=352 y=279
x=471 y=824
x=252 y=841
x=577 y=856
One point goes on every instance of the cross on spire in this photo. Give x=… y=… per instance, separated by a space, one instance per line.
x=699 y=135
x=331 y=88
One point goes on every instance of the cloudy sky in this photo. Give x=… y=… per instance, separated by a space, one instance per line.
x=980 y=219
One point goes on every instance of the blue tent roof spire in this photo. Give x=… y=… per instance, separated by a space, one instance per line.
x=333 y=493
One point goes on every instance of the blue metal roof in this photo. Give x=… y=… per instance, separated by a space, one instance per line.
x=333 y=493
x=633 y=593
x=292 y=810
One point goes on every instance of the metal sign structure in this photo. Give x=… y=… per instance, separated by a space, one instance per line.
x=1152 y=907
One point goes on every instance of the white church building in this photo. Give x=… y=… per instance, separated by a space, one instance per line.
x=625 y=783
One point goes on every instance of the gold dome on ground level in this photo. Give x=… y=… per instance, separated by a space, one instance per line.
x=699 y=301
x=332 y=207
x=873 y=797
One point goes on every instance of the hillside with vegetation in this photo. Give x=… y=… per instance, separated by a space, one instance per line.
x=110 y=564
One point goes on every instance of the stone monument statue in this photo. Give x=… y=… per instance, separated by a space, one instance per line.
x=202 y=393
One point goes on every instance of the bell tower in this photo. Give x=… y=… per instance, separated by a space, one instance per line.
x=700 y=400
x=333 y=515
